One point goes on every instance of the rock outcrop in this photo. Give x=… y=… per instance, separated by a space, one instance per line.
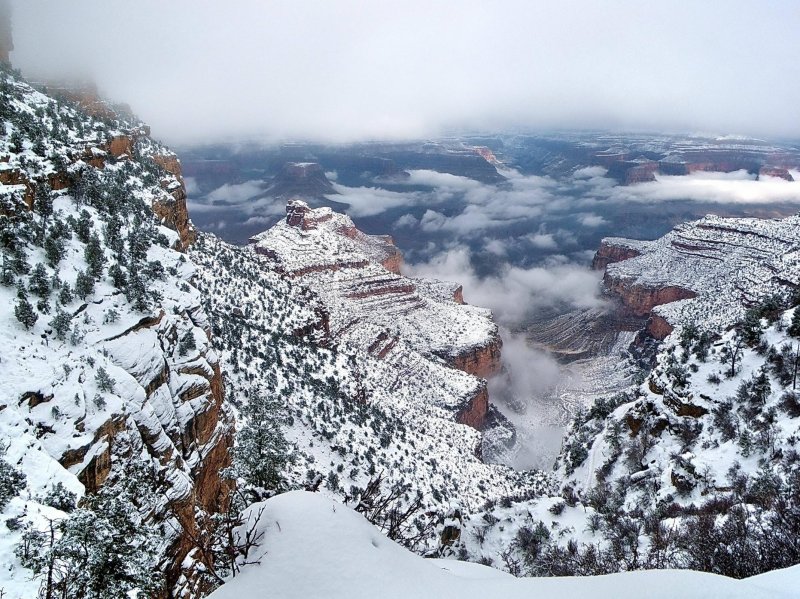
x=775 y=171
x=371 y=305
x=614 y=250
x=173 y=210
x=704 y=271
x=304 y=180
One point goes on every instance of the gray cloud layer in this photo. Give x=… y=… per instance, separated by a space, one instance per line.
x=203 y=70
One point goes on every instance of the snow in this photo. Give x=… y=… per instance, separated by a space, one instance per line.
x=727 y=262
x=315 y=547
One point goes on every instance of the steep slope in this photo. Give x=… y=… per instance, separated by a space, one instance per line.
x=373 y=307
x=717 y=266
x=107 y=361
x=354 y=414
x=697 y=466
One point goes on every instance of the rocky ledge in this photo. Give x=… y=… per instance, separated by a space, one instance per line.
x=391 y=317
x=707 y=271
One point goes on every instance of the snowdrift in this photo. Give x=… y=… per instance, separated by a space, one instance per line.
x=316 y=547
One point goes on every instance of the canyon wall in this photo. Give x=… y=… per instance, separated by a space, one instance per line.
x=704 y=271
x=372 y=306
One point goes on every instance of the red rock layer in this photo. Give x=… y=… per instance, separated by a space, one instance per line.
x=474 y=413
x=483 y=362
x=639 y=300
x=609 y=253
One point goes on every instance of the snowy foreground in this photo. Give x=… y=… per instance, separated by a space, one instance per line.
x=316 y=547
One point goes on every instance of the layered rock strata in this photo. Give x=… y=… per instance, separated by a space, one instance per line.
x=373 y=306
x=704 y=271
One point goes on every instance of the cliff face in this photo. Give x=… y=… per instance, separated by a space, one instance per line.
x=641 y=299
x=162 y=404
x=374 y=307
x=483 y=362
x=173 y=210
x=612 y=250
x=704 y=271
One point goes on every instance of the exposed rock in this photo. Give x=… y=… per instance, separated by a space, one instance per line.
x=639 y=299
x=120 y=145
x=658 y=327
x=391 y=317
x=482 y=361
x=704 y=271
x=775 y=171
x=34 y=398
x=613 y=250
x=174 y=211
x=301 y=179
x=474 y=412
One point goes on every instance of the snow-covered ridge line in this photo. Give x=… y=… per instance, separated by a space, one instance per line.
x=319 y=548
x=372 y=306
x=705 y=271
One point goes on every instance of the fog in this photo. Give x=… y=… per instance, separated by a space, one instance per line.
x=345 y=70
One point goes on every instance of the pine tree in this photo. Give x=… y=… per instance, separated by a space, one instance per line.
x=12 y=480
x=61 y=323
x=794 y=327
x=43 y=205
x=84 y=285
x=83 y=226
x=54 y=249
x=24 y=310
x=750 y=326
x=94 y=256
x=65 y=296
x=39 y=283
x=103 y=550
x=138 y=243
x=117 y=276
x=262 y=452
x=104 y=381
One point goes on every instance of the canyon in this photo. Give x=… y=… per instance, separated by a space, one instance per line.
x=707 y=271
x=378 y=310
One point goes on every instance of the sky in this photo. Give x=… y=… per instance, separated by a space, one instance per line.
x=344 y=70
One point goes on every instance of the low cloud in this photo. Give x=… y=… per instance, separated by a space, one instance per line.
x=514 y=293
x=235 y=193
x=371 y=201
x=591 y=220
x=728 y=188
x=523 y=394
x=406 y=221
x=543 y=241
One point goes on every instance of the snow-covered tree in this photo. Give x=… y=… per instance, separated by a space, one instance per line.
x=104 y=550
x=11 y=479
x=262 y=452
x=24 y=311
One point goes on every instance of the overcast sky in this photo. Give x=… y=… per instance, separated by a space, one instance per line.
x=345 y=69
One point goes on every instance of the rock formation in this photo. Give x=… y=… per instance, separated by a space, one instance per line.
x=163 y=403
x=301 y=179
x=703 y=271
x=376 y=308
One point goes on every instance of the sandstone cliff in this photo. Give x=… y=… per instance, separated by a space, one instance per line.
x=373 y=306
x=704 y=271
x=131 y=376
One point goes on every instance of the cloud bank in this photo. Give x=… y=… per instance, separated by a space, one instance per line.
x=200 y=70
